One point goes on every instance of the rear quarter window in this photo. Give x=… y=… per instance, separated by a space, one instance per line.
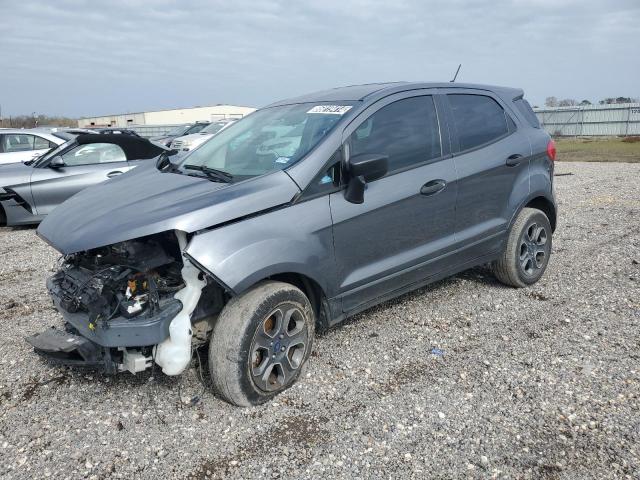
x=525 y=109
x=478 y=119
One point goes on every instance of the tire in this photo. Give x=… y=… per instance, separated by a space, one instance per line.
x=253 y=355
x=527 y=252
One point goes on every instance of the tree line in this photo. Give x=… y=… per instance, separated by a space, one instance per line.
x=570 y=102
x=32 y=121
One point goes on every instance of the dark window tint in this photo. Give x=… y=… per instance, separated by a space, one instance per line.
x=407 y=131
x=523 y=106
x=479 y=119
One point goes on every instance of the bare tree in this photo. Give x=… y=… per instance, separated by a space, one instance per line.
x=551 y=102
x=585 y=102
x=567 y=102
x=29 y=121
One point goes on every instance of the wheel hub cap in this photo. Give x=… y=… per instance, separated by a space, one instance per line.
x=533 y=249
x=278 y=348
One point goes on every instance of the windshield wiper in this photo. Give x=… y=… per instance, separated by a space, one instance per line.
x=219 y=175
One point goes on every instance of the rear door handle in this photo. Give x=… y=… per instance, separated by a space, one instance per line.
x=433 y=187
x=115 y=173
x=514 y=160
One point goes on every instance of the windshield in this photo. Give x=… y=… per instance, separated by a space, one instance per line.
x=213 y=127
x=269 y=139
x=178 y=131
x=52 y=153
x=196 y=128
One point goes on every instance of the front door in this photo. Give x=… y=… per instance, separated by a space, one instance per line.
x=407 y=218
x=84 y=166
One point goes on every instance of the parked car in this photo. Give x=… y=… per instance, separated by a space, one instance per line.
x=251 y=248
x=19 y=145
x=179 y=131
x=31 y=190
x=191 y=141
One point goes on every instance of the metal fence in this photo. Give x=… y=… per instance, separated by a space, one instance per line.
x=148 y=131
x=591 y=120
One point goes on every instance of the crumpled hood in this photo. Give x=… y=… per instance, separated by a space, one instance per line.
x=14 y=174
x=147 y=201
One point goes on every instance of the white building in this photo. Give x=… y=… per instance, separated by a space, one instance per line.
x=166 y=117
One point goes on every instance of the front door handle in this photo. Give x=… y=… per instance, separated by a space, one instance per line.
x=115 y=173
x=433 y=187
x=514 y=160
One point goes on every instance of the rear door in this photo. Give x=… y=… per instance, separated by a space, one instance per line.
x=407 y=218
x=84 y=166
x=492 y=161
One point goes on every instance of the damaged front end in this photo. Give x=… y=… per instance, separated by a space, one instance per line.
x=130 y=304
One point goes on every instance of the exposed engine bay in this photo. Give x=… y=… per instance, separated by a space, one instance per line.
x=130 y=304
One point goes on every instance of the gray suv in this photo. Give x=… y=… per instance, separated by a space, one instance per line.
x=293 y=219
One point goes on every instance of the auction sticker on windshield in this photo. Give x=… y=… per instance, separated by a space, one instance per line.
x=331 y=109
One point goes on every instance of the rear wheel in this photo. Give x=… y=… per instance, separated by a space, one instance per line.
x=260 y=343
x=528 y=249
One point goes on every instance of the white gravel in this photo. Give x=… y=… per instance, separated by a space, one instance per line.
x=536 y=383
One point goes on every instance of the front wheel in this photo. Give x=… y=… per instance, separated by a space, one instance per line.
x=260 y=343
x=528 y=249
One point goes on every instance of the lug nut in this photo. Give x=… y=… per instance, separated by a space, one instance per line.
x=282 y=335
x=282 y=349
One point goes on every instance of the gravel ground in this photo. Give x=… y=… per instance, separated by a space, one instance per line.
x=465 y=378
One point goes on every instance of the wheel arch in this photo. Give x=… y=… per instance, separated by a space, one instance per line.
x=546 y=206
x=540 y=202
x=310 y=287
x=3 y=217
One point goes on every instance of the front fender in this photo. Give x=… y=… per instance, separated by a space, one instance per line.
x=295 y=239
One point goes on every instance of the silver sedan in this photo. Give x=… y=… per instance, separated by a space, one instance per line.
x=31 y=190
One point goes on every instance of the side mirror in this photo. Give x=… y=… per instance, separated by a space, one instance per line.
x=364 y=168
x=56 y=162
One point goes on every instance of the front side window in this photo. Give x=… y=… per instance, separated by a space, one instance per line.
x=406 y=131
x=17 y=142
x=270 y=139
x=94 y=153
x=479 y=119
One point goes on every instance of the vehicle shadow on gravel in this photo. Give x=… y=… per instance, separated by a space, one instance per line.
x=481 y=275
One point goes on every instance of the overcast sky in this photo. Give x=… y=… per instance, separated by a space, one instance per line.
x=75 y=58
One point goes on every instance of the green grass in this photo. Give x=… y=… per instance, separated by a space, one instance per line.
x=597 y=150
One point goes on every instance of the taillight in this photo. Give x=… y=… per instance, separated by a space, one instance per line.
x=551 y=150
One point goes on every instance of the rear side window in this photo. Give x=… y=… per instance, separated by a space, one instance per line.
x=406 y=131
x=479 y=119
x=525 y=109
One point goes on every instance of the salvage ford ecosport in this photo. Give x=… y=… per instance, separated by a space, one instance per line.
x=294 y=218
